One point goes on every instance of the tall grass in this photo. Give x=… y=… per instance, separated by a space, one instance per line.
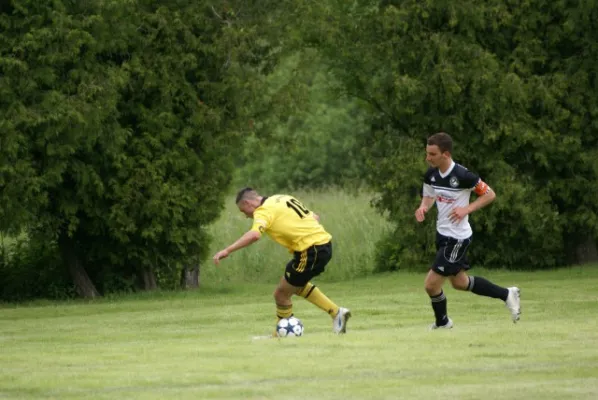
x=354 y=225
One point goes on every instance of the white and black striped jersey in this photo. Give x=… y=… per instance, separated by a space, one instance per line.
x=452 y=189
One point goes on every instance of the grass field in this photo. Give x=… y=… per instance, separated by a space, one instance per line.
x=199 y=345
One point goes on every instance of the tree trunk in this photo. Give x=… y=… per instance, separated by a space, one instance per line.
x=83 y=284
x=586 y=252
x=190 y=277
x=149 y=280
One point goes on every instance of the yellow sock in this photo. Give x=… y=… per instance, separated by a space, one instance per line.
x=312 y=294
x=283 y=311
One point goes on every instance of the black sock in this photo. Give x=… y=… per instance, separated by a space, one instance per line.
x=439 y=307
x=484 y=287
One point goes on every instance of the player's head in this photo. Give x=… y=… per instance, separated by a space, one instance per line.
x=248 y=200
x=439 y=149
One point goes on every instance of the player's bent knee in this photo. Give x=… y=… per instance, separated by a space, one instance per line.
x=432 y=290
x=460 y=282
x=459 y=286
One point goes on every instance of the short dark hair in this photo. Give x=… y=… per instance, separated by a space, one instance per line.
x=245 y=193
x=442 y=140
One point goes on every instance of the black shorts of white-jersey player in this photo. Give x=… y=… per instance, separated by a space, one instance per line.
x=449 y=185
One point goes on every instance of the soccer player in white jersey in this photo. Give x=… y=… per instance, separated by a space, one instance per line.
x=449 y=185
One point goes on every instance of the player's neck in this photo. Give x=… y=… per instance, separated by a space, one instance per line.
x=445 y=165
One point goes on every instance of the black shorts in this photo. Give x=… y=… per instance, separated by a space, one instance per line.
x=451 y=255
x=307 y=264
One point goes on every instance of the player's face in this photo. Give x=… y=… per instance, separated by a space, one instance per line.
x=247 y=208
x=434 y=156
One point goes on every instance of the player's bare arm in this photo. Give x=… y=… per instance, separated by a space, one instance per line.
x=482 y=201
x=248 y=238
x=420 y=213
x=316 y=216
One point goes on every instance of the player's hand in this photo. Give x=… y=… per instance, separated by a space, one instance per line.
x=457 y=214
x=220 y=255
x=420 y=214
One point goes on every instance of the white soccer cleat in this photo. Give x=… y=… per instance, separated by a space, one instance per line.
x=513 y=303
x=339 y=323
x=448 y=325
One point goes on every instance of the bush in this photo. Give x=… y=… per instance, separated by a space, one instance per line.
x=31 y=269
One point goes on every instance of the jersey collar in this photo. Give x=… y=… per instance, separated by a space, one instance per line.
x=448 y=171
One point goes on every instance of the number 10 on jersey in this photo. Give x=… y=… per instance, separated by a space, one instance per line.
x=298 y=208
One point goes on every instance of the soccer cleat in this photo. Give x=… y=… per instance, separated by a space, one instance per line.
x=513 y=303
x=448 y=325
x=339 y=323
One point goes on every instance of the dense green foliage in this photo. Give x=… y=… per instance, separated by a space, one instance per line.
x=33 y=270
x=514 y=84
x=122 y=124
x=310 y=139
x=118 y=122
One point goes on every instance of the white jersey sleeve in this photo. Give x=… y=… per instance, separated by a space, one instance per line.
x=428 y=191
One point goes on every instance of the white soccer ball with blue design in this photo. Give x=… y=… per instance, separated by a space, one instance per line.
x=289 y=327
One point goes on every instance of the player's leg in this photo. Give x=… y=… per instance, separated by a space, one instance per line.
x=483 y=287
x=460 y=281
x=315 y=296
x=282 y=297
x=312 y=262
x=433 y=286
x=292 y=282
x=455 y=255
x=340 y=315
x=435 y=280
x=479 y=285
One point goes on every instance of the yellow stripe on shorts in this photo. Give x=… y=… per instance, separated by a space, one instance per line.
x=302 y=261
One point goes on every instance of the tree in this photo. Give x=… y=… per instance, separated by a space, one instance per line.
x=514 y=87
x=307 y=138
x=118 y=129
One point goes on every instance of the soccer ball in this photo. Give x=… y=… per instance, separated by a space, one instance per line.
x=289 y=327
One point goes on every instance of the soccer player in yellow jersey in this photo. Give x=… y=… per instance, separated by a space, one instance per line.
x=289 y=223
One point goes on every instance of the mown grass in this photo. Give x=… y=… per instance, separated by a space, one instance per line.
x=199 y=345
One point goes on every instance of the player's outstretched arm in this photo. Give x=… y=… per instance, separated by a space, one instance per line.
x=248 y=238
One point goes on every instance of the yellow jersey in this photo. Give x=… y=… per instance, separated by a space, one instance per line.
x=289 y=223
